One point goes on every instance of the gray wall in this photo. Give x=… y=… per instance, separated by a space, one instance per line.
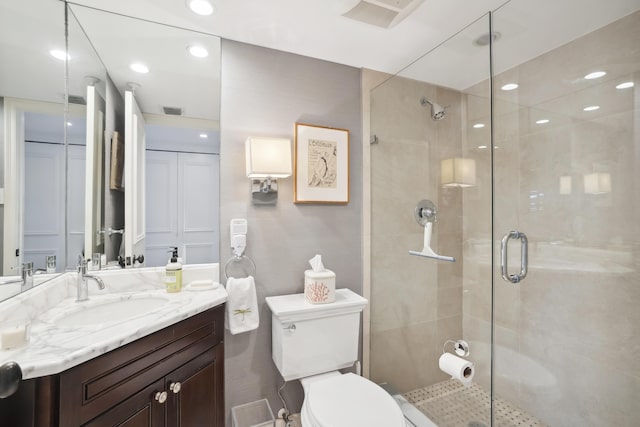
x=264 y=93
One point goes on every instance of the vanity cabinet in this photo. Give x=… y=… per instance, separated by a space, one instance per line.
x=171 y=378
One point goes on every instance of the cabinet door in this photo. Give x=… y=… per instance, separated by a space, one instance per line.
x=140 y=410
x=196 y=392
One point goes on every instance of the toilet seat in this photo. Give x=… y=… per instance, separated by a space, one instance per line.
x=349 y=400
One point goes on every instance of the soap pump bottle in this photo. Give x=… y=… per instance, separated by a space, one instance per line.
x=173 y=272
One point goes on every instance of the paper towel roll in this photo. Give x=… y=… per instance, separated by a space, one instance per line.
x=459 y=368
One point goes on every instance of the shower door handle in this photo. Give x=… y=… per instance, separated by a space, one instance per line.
x=524 y=259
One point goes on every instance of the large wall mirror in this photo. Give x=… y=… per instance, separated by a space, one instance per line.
x=140 y=168
x=153 y=165
x=34 y=154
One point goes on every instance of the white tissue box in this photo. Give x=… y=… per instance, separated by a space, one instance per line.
x=320 y=286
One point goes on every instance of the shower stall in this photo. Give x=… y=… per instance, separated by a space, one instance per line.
x=523 y=129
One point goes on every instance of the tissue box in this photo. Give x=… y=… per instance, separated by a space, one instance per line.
x=320 y=286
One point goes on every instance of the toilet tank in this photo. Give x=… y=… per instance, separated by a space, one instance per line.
x=309 y=339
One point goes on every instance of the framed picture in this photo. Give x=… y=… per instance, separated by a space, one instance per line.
x=321 y=165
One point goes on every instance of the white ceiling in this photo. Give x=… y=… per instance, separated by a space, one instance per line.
x=315 y=28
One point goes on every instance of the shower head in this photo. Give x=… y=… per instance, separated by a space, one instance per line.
x=437 y=111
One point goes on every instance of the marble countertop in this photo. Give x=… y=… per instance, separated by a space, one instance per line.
x=56 y=346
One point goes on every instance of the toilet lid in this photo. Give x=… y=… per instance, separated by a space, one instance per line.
x=350 y=400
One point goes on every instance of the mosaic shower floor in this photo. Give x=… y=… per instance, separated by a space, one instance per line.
x=450 y=404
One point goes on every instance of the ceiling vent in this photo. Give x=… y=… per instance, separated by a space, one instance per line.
x=77 y=99
x=172 y=111
x=382 y=13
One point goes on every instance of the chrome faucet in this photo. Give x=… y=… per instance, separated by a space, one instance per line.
x=26 y=276
x=83 y=283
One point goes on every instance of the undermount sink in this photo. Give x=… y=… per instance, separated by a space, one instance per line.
x=95 y=312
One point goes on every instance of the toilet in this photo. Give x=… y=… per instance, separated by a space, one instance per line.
x=311 y=342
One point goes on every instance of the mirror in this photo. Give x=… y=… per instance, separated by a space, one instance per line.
x=32 y=135
x=165 y=192
x=89 y=210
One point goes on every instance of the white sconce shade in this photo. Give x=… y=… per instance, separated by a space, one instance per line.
x=597 y=183
x=458 y=172
x=565 y=184
x=268 y=157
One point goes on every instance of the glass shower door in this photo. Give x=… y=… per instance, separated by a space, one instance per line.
x=567 y=175
x=430 y=132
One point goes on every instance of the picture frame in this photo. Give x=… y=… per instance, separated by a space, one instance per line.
x=321 y=165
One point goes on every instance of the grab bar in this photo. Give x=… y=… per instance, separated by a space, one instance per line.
x=524 y=259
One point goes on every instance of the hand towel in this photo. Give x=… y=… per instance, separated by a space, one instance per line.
x=242 y=305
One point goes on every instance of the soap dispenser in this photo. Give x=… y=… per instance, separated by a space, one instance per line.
x=173 y=272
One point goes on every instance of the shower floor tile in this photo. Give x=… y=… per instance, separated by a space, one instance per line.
x=450 y=404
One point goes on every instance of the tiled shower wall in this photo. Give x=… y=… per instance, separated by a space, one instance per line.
x=566 y=338
x=416 y=303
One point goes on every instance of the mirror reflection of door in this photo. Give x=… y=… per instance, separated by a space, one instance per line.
x=134 y=179
x=44 y=184
x=94 y=185
x=182 y=194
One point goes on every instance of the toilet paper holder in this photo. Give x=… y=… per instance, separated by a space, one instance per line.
x=460 y=347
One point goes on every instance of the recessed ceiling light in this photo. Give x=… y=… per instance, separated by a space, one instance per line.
x=591 y=108
x=139 y=68
x=59 y=54
x=204 y=135
x=69 y=124
x=510 y=86
x=542 y=121
x=198 y=51
x=595 y=75
x=478 y=125
x=625 y=85
x=482 y=147
x=200 y=7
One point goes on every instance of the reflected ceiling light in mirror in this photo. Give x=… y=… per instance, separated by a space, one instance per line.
x=139 y=68
x=478 y=125
x=509 y=86
x=482 y=147
x=591 y=108
x=69 y=124
x=59 y=54
x=595 y=75
x=204 y=136
x=198 y=51
x=542 y=121
x=200 y=7
x=625 y=85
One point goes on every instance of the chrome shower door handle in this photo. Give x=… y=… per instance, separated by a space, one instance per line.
x=524 y=258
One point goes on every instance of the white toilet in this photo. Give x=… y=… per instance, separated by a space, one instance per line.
x=311 y=342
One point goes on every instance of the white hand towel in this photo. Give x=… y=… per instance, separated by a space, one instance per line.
x=242 y=305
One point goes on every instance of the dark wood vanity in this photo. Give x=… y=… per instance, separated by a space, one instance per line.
x=173 y=377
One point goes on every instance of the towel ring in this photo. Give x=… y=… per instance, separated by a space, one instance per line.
x=240 y=265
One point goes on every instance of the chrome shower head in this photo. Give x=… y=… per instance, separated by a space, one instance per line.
x=437 y=111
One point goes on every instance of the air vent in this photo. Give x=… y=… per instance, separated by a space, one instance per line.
x=172 y=111
x=77 y=99
x=382 y=13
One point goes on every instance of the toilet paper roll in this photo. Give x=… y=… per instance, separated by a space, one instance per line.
x=459 y=368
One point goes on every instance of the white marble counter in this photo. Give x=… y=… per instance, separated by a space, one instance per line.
x=55 y=347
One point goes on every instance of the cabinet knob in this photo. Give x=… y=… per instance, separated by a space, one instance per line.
x=175 y=387
x=161 y=396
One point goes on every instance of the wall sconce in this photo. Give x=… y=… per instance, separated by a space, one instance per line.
x=458 y=172
x=267 y=160
x=597 y=183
